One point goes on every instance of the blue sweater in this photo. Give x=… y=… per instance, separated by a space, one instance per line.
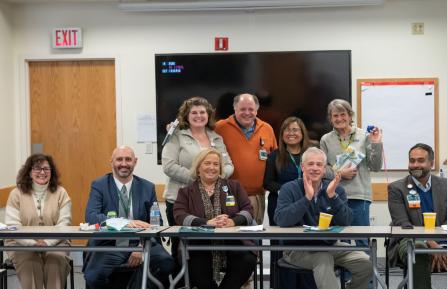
x=294 y=209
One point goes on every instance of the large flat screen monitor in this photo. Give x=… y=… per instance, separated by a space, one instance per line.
x=298 y=83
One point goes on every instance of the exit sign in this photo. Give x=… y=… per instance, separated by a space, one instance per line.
x=67 y=38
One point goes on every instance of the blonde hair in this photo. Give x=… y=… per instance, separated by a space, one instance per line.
x=199 y=159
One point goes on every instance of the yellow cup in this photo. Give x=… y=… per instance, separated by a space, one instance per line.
x=429 y=220
x=325 y=221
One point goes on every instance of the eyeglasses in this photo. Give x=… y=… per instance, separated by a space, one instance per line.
x=292 y=130
x=39 y=169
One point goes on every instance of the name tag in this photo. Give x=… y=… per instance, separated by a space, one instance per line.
x=230 y=201
x=263 y=154
x=414 y=201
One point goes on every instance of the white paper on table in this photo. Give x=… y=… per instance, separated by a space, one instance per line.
x=146 y=128
x=117 y=223
x=251 y=228
x=444 y=227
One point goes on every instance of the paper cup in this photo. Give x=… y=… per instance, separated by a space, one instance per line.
x=429 y=220
x=325 y=221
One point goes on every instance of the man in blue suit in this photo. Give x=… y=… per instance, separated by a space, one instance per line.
x=131 y=197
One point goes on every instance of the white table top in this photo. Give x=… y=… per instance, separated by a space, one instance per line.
x=274 y=232
x=73 y=232
x=418 y=232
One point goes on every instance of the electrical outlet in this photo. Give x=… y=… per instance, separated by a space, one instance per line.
x=417 y=28
x=372 y=220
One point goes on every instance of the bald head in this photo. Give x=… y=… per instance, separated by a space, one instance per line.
x=123 y=162
x=120 y=149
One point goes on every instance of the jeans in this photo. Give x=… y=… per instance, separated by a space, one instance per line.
x=360 y=216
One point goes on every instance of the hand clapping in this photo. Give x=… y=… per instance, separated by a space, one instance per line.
x=332 y=185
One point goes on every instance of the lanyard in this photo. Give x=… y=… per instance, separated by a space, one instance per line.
x=345 y=144
x=126 y=208
x=298 y=167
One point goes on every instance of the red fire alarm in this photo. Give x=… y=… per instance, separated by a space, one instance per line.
x=221 y=43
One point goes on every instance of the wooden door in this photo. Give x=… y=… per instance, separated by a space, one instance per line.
x=73 y=117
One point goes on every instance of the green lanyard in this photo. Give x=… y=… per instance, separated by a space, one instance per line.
x=345 y=144
x=298 y=167
x=126 y=208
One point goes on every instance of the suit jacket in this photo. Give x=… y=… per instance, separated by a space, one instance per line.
x=401 y=214
x=104 y=198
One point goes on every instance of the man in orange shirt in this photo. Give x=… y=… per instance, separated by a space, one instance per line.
x=249 y=140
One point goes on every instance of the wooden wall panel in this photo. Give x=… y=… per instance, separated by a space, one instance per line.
x=4 y=194
x=73 y=114
x=380 y=191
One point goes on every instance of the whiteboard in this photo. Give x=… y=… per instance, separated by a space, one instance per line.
x=405 y=110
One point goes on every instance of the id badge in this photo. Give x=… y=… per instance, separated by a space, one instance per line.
x=230 y=201
x=414 y=201
x=263 y=154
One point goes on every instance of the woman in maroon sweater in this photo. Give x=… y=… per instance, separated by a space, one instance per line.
x=212 y=200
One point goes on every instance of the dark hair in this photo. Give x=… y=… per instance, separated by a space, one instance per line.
x=283 y=154
x=425 y=147
x=185 y=108
x=24 y=181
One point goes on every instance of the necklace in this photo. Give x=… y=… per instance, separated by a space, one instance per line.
x=209 y=189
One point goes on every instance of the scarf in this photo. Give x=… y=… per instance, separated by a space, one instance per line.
x=212 y=210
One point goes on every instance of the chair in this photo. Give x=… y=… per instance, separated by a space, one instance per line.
x=387 y=265
x=261 y=272
x=281 y=263
x=3 y=278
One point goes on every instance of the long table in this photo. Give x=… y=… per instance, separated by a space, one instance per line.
x=413 y=234
x=73 y=232
x=278 y=233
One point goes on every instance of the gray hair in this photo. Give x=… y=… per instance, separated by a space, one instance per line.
x=340 y=105
x=313 y=151
x=199 y=159
x=238 y=98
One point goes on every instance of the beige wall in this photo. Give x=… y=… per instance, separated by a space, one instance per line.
x=7 y=121
x=379 y=37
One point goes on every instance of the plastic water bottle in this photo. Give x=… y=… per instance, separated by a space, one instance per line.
x=155 y=215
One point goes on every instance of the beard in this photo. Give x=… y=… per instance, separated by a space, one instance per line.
x=125 y=173
x=419 y=172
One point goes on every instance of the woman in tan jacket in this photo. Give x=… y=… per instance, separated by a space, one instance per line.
x=39 y=200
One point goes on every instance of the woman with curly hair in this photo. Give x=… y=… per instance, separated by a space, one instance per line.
x=39 y=200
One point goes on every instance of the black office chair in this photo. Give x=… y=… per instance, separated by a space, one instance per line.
x=281 y=263
x=3 y=278
x=261 y=272
x=387 y=265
